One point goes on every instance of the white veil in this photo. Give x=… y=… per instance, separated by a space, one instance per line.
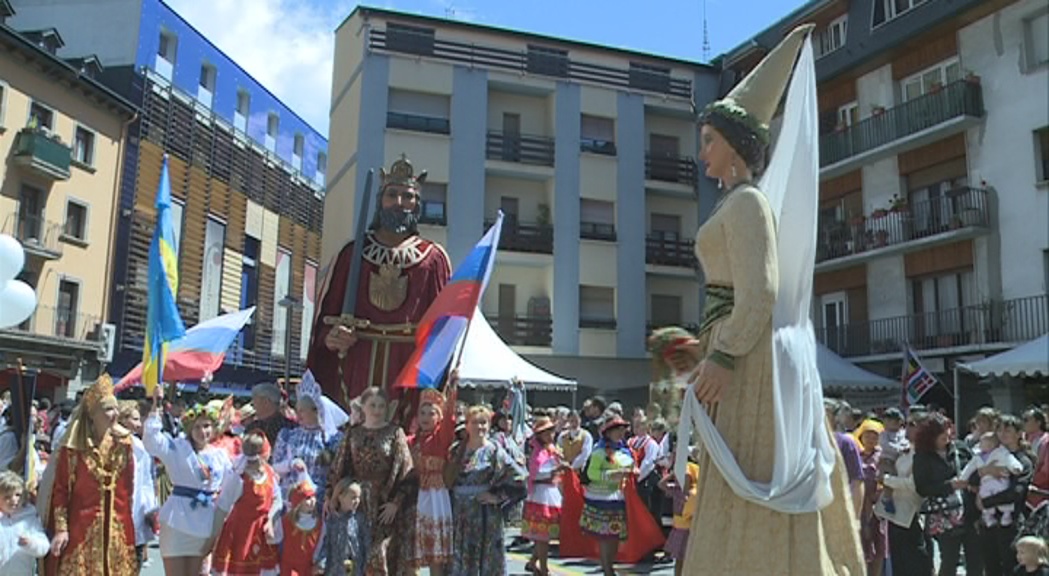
x=804 y=454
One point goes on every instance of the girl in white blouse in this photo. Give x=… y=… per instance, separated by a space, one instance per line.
x=197 y=470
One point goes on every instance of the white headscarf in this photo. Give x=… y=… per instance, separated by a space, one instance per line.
x=330 y=415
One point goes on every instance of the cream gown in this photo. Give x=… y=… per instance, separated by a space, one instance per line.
x=737 y=249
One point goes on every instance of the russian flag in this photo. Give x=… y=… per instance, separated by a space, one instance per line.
x=444 y=324
x=199 y=353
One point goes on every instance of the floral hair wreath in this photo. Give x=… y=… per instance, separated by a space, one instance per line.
x=213 y=413
x=728 y=108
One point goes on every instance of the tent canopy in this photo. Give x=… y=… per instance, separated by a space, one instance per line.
x=1030 y=359
x=488 y=362
x=838 y=373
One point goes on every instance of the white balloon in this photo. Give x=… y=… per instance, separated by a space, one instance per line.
x=12 y=258
x=17 y=302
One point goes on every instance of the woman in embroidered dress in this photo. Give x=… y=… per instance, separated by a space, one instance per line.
x=376 y=455
x=487 y=477
x=433 y=520
x=247 y=506
x=808 y=527
x=310 y=441
x=542 y=509
x=604 y=509
x=86 y=499
x=197 y=470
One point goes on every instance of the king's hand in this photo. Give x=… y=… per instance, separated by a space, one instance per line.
x=340 y=339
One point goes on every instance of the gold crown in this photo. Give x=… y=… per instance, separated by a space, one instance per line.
x=431 y=396
x=98 y=392
x=402 y=174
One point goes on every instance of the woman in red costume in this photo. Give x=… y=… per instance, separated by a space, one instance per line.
x=434 y=524
x=252 y=500
x=87 y=494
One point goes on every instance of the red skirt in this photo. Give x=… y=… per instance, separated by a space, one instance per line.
x=542 y=523
x=644 y=535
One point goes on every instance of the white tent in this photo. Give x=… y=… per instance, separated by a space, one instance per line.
x=1030 y=359
x=488 y=362
x=839 y=374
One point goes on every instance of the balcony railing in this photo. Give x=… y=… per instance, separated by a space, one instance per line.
x=669 y=251
x=597 y=231
x=521 y=237
x=957 y=209
x=63 y=323
x=39 y=237
x=691 y=327
x=993 y=322
x=599 y=323
x=598 y=146
x=418 y=123
x=534 y=150
x=955 y=100
x=42 y=152
x=668 y=168
x=524 y=330
x=425 y=42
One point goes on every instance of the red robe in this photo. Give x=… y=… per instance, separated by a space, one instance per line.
x=91 y=500
x=242 y=547
x=397 y=286
x=296 y=558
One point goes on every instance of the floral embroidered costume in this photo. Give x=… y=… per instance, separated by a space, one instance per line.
x=91 y=493
x=252 y=501
x=302 y=530
x=542 y=509
x=434 y=525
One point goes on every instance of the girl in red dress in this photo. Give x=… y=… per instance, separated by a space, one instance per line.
x=247 y=544
x=301 y=525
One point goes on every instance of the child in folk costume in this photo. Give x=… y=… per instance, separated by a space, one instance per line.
x=542 y=509
x=301 y=526
x=250 y=502
x=434 y=524
x=344 y=537
x=144 y=501
x=22 y=537
x=684 y=508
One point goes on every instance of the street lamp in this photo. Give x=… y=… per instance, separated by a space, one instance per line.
x=288 y=303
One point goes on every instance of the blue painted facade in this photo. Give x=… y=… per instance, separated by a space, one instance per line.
x=567 y=110
x=705 y=87
x=631 y=280
x=194 y=50
x=466 y=177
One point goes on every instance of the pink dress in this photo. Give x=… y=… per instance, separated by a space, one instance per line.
x=542 y=509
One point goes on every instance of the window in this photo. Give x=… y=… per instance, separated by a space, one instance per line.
x=41 y=116
x=547 y=61
x=597 y=307
x=418 y=111
x=296 y=151
x=322 y=168
x=648 y=77
x=931 y=79
x=886 y=10
x=410 y=39
x=211 y=272
x=435 y=202
x=31 y=225
x=597 y=135
x=3 y=103
x=272 y=128
x=666 y=310
x=164 y=63
x=66 y=311
x=206 y=90
x=177 y=209
x=240 y=115
x=665 y=226
x=76 y=220
x=249 y=288
x=84 y=146
x=833 y=37
x=943 y=306
x=848 y=114
x=597 y=219
x=1041 y=151
x=1036 y=41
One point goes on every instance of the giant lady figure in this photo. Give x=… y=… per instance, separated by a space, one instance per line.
x=771 y=496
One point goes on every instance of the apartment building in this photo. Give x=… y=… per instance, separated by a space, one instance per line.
x=62 y=133
x=934 y=200
x=590 y=152
x=247 y=175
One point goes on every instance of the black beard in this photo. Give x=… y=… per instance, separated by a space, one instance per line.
x=399 y=221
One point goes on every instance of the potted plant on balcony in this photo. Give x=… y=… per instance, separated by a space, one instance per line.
x=881 y=238
x=879 y=213
x=972 y=78
x=935 y=87
x=899 y=205
x=877 y=110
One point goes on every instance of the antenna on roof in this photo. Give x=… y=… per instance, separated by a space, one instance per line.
x=449 y=11
x=706 y=36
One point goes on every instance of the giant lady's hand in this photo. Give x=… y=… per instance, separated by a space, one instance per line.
x=709 y=381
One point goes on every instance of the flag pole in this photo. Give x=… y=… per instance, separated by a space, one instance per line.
x=957 y=396
x=904 y=401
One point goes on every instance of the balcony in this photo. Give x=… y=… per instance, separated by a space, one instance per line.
x=992 y=324
x=958 y=214
x=60 y=323
x=597 y=146
x=670 y=168
x=596 y=323
x=667 y=251
x=521 y=237
x=925 y=119
x=39 y=238
x=524 y=330
x=418 y=123
x=520 y=149
x=54 y=339
x=597 y=231
x=42 y=153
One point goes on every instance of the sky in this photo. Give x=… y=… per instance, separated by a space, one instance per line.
x=287 y=45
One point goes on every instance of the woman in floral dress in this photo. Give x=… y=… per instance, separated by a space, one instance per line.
x=487 y=478
x=376 y=455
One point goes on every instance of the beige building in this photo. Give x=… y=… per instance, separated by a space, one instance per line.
x=62 y=134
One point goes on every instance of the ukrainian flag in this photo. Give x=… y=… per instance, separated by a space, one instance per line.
x=163 y=322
